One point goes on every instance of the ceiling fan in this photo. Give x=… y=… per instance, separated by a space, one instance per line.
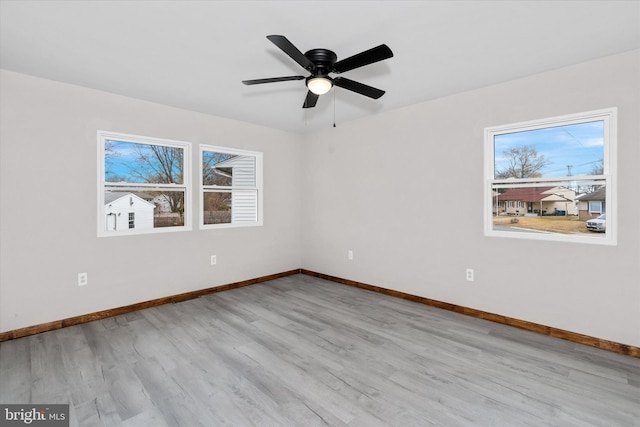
x=320 y=63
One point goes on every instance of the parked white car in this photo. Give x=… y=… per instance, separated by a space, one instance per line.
x=598 y=224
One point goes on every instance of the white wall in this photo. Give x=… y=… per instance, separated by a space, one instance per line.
x=49 y=156
x=404 y=191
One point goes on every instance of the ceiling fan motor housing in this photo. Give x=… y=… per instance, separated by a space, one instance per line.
x=323 y=59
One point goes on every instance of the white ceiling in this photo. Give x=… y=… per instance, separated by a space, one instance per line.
x=194 y=54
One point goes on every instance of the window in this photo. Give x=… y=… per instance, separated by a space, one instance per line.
x=231 y=187
x=143 y=185
x=562 y=169
x=595 y=207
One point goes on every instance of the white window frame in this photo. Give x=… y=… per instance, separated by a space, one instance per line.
x=258 y=186
x=103 y=136
x=608 y=178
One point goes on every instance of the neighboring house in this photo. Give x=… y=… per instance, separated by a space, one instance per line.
x=162 y=204
x=127 y=210
x=244 y=203
x=498 y=206
x=145 y=196
x=592 y=205
x=536 y=200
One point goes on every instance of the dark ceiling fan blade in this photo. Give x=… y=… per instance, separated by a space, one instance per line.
x=361 y=59
x=272 y=80
x=310 y=100
x=287 y=47
x=357 y=87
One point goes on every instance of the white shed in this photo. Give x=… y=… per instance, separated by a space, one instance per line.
x=125 y=211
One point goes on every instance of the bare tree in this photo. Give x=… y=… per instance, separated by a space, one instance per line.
x=216 y=204
x=110 y=153
x=162 y=165
x=597 y=168
x=213 y=175
x=523 y=162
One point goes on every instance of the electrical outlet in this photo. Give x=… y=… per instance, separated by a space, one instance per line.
x=214 y=259
x=470 y=274
x=83 y=279
x=350 y=255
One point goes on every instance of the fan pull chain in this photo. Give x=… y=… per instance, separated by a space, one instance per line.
x=334 y=107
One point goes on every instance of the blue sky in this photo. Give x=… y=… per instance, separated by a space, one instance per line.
x=579 y=145
x=123 y=159
x=123 y=162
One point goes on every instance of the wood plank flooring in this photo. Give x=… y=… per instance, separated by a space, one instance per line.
x=301 y=351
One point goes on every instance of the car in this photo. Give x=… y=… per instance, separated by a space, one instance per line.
x=598 y=224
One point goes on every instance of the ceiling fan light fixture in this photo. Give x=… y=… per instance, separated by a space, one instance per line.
x=319 y=85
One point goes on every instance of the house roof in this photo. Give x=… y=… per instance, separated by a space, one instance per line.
x=598 y=195
x=145 y=196
x=526 y=194
x=110 y=197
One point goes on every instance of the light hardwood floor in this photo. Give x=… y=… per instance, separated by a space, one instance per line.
x=301 y=351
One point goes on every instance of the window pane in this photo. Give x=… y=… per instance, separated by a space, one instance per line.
x=170 y=208
x=224 y=169
x=217 y=207
x=230 y=206
x=576 y=149
x=126 y=209
x=595 y=207
x=244 y=206
x=231 y=186
x=547 y=209
x=143 y=163
x=553 y=178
